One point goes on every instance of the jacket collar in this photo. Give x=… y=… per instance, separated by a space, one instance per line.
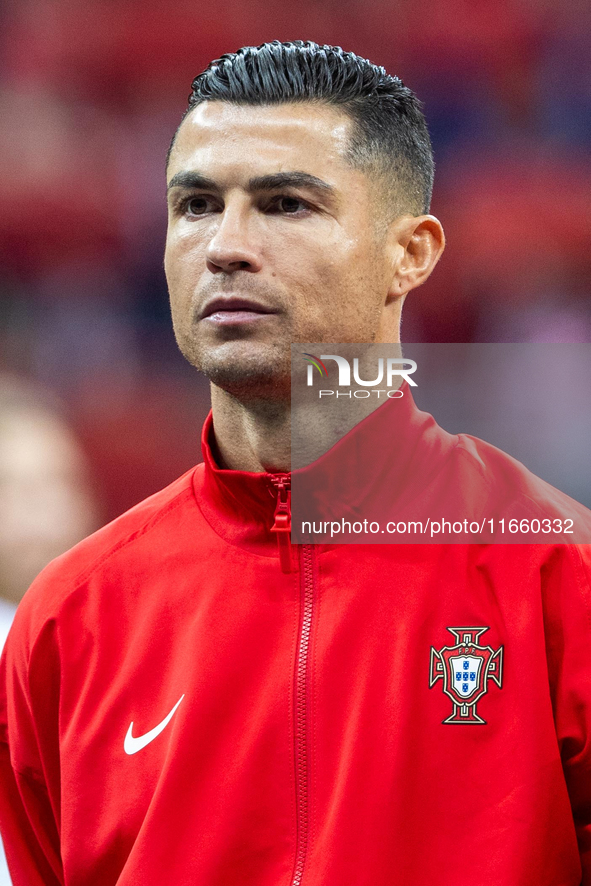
x=397 y=446
x=238 y=505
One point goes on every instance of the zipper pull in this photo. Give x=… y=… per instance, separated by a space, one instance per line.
x=282 y=521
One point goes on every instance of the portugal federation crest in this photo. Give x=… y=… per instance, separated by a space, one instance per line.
x=465 y=670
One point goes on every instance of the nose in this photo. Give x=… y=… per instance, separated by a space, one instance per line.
x=233 y=246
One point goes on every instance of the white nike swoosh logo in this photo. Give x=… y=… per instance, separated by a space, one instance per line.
x=132 y=745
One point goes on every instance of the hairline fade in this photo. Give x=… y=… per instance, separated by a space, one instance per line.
x=389 y=135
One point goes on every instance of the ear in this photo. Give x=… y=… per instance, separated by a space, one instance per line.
x=415 y=245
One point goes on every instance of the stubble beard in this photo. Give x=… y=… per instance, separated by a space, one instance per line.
x=246 y=370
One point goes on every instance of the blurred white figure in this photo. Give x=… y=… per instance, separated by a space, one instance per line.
x=46 y=502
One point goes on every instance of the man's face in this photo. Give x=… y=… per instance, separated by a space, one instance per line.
x=273 y=238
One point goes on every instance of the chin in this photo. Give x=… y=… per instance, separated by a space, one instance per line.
x=249 y=372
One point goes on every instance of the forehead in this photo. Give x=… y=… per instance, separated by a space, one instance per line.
x=234 y=141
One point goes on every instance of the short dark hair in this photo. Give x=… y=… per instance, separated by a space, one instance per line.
x=390 y=133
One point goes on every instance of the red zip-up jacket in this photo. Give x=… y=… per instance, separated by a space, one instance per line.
x=176 y=709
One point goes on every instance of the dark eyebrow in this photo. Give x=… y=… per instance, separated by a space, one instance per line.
x=272 y=182
x=191 y=180
x=290 y=180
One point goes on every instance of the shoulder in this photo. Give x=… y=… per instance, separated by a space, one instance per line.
x=119 y=548
x=506 y=484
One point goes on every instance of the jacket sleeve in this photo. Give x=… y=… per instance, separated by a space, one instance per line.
x=29 y=758
x=568 y=633
x=28 y=828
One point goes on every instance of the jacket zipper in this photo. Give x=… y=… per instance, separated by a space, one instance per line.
x=282 y=521
x=282 y=528
x=301 y=712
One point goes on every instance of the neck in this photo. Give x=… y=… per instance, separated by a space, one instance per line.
x=258 y=435
x=253 y=435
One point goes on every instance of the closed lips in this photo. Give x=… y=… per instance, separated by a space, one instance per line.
x=222 y=305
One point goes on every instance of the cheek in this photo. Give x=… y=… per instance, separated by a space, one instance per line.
x=347 y=301
x=350 y=273
x=181 y=266
x=170 y=261
x=179 y=290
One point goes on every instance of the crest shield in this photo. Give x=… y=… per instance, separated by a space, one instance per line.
x=465 y=670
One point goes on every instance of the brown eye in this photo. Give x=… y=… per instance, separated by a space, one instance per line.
x=290 y=204
x=196 y=206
